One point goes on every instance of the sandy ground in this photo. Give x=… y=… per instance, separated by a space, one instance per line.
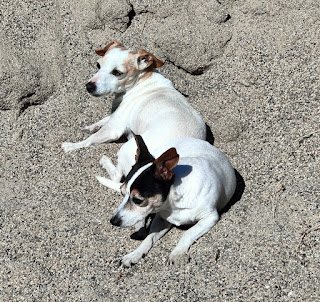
x=251 y=68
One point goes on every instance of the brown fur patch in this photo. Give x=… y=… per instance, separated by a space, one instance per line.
x=101 y=52
x=156 y=63
x=165 y=163
x=135 y=192
x=130 y=64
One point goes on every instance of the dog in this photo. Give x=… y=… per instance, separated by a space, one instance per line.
x=145 y=102
x=185 y=181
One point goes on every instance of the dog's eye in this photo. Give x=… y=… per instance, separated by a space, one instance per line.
x=116 y=72
x=137 y=200
x=98 y=66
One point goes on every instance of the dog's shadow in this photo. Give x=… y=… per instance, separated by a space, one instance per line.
x=209 y=135
x=237 y=193
x=240 y=181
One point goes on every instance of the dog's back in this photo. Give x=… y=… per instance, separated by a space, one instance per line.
x=204 y=178
x=160 y=113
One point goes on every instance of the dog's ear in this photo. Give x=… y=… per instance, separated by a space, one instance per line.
x=143 y=153
x=146 y=59
x=165 y=163
x=101 y=52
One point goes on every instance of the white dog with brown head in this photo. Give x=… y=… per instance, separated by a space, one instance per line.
x=185 y=181
x=145 y=101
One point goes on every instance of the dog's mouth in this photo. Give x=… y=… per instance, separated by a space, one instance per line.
x=93 y=89
x=119 y=221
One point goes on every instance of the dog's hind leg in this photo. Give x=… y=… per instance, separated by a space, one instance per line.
x=114 y=173
x=180 y=252
x=96 y=126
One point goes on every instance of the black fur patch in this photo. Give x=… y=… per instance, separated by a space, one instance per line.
x=136 y=167
x=148 y=185
x=144 y=157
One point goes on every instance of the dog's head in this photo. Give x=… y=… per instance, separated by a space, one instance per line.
x=120 y=68
x=147 y=185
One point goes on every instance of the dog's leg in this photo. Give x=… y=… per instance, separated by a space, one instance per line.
x=104 y=135
x=126 y=160
x=109 y=183
x=96 y=126
x=158 y=228
x=179 y=255
x=113 y=171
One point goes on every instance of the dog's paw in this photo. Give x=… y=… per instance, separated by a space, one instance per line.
x=91 y=129
x=131 y=258
x=106 y=163
x=179 y=258
x=67 y=147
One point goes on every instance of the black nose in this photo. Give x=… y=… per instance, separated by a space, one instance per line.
x=91 y=87
x=115 y=220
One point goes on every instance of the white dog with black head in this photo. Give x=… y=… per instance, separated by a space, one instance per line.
x=189 y=188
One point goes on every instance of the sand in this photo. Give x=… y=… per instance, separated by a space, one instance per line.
x=251 y=68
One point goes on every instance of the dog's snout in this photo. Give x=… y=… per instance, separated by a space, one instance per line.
x=115 y=220
x=91 y=87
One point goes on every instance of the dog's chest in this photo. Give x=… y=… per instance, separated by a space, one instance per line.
x=180 y=217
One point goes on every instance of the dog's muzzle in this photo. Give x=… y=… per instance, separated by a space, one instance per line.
x=115 y=220
x=91 y=87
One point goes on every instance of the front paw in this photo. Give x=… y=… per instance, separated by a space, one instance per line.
x=67 y=147
x=179 y=258
x=132 y=258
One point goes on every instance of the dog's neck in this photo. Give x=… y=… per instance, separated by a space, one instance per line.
x=117 y=101
x=153 y=81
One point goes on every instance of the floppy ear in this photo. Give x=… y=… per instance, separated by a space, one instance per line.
x=146 y=59
x=165 y=163
x=143 y=153
x=101 y=52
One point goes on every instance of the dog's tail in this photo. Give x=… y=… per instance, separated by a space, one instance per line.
x=109 y=183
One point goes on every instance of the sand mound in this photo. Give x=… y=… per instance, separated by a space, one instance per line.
x=251 y=68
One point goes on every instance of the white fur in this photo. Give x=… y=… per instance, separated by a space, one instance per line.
x=149 y=106
x=105 y=81
x=204 y=183
x=109 y=183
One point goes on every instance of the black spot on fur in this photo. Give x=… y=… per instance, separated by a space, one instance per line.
x=148 y=185
x=135 y=168
x=144 y=157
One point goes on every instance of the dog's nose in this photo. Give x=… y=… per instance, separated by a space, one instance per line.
x=91 y=87
x=115 y=220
